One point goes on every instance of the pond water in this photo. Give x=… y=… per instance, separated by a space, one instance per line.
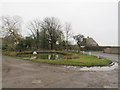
x=44 y=56
x=50 y=56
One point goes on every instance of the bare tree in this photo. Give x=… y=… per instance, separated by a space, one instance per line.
x=68 y=33
x=52 y=28
x=11 y=26
x=35 y=28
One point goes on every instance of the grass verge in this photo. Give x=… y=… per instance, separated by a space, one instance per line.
x=83 y=60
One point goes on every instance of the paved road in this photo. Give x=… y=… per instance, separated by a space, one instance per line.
x=112 y=57
x=27 y=74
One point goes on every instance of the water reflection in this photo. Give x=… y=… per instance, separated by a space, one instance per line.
x=47 y=56
x=50 y=56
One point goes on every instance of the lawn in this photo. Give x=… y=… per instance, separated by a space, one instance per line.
x=74 y=59
x=83 y=60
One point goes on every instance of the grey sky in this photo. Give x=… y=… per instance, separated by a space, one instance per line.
x=96 y=19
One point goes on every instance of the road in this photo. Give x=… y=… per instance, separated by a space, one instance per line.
x=112 y=57
x=18 y=73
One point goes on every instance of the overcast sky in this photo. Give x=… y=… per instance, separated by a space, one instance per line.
x=97 y=19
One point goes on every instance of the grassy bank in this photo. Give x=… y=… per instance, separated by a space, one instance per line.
x=81 y=60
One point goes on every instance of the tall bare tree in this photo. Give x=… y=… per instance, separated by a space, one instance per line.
x=35 y=28
x=68 y=33
x=52 y=28
x=11 y=26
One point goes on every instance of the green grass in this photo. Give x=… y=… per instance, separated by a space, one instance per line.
x=81 y=60
x=84 y=60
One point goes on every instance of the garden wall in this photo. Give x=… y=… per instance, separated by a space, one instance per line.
x=112 y=50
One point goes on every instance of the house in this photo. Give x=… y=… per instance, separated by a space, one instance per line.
x=89 y=41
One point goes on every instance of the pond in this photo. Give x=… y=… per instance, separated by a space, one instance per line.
x=51 y=56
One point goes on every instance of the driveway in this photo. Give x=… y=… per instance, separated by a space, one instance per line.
x=112 y=57
x=19 y=73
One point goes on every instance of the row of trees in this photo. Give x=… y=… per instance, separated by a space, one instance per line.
x=45 y=34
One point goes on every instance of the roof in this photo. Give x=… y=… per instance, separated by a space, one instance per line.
x=90 y=42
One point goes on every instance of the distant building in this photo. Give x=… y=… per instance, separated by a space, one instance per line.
x=89 y=41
